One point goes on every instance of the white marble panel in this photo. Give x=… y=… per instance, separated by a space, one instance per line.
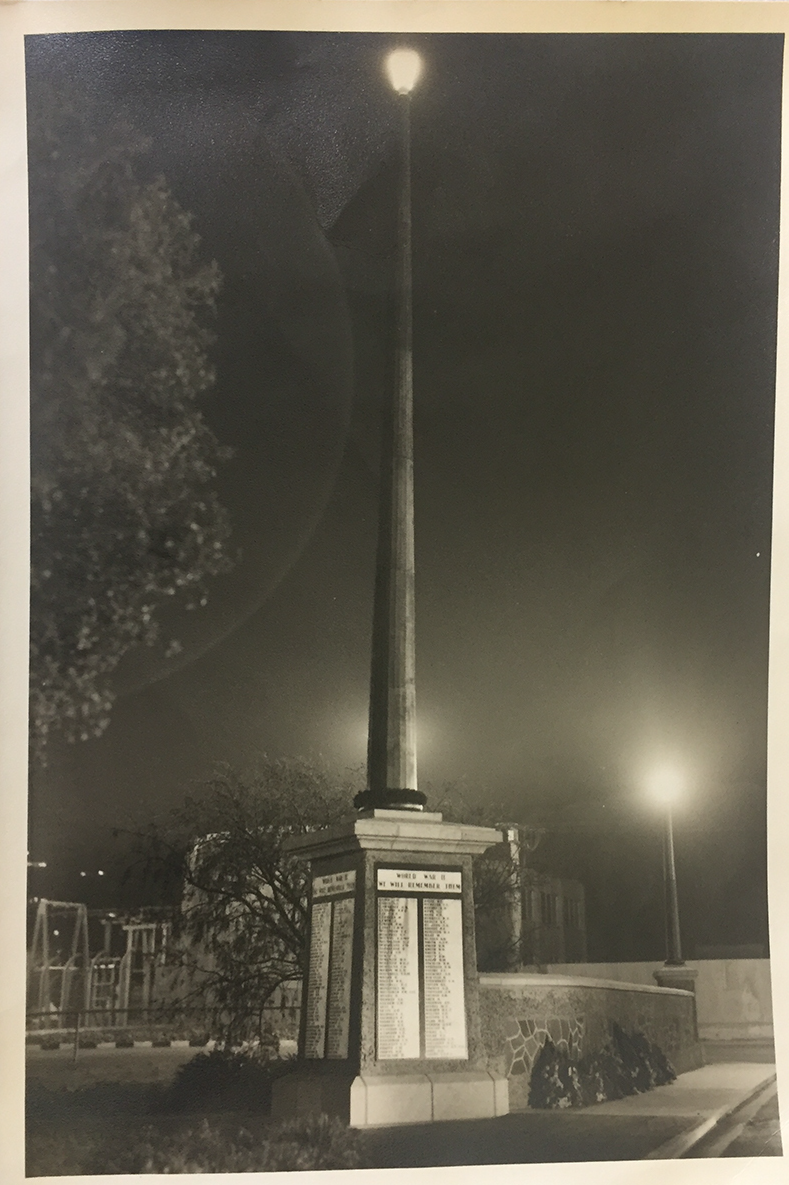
x=445 y=995
x=398 y=979
x=318 y=981
x=340 y=979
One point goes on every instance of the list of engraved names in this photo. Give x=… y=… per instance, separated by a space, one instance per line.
x=331 y=961
x=445 y=1003
x=318 y=981
x=398 y=978
x=421 y=904
x=340 y=979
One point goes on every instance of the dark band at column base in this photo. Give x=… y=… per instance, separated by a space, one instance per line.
x=390 y=800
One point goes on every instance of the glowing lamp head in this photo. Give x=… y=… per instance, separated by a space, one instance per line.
x=403 y=67
x=665 y=786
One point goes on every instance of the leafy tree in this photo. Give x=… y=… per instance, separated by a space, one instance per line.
x=123 y=514
x=241 y=928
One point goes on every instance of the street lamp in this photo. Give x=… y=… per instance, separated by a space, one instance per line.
x=665 y=787
x=404 y=67
x=391 y=738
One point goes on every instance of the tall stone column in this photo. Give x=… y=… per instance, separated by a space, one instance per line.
x=391 y=746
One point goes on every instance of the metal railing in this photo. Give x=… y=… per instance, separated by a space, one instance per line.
x=98 y=1019
x=160 y=1023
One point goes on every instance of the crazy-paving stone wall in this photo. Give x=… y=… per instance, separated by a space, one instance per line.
x=519 y=1011
x=525 y=1038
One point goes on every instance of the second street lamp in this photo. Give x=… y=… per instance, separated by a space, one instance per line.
x=665 y=787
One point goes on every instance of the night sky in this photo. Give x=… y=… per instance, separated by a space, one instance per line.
x=595 y=271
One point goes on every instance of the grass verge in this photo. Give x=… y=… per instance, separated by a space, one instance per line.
x=212 y=1118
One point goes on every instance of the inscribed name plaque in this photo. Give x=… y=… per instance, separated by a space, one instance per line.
x=429 y=981
x=340 y=979
x=445 y=996
x=397 y=1019
x=331 y=964
x=318 y=980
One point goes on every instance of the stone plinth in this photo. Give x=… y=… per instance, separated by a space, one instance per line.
x=390 y=1029
x=676 y=975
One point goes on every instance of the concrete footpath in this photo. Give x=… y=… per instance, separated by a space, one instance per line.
x=698 y=1115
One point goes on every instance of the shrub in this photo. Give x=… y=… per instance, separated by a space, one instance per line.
x=554 y=1079
x=297 y=1144
x=58 y=1153
x=629 y=1064
x=223 y=1080
x=643 y=1064
x=603 y=1077
x=646 y=1062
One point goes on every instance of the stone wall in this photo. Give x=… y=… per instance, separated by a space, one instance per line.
x=733 y=996
x=518 y=1012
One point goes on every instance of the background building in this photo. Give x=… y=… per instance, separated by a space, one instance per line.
x=526 y=916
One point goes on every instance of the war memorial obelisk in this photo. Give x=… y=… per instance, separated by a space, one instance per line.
x=390 y=1015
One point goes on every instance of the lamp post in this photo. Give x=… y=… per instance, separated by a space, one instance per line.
x=673 y=940
x=665 y=786
x=391 y=745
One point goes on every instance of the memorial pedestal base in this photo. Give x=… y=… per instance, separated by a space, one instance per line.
x=381 y=1100
x=309 y=1091
x=390 y=1028
x=377 y=1101
x=676 y=975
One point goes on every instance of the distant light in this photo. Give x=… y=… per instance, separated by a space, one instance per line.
x=56 y=933
x=665 y=785
x=83 y=874
x=101 y=872
x=404 y=67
